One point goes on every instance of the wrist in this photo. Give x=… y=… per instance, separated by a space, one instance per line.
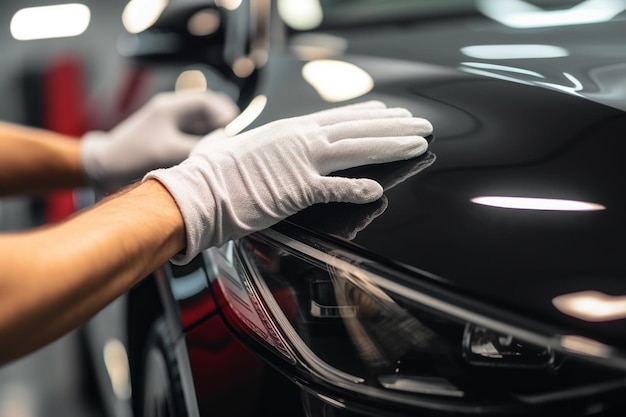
x=157 y=196
x=187 y=187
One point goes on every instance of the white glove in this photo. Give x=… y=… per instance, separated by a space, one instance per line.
x=159 y=135
x=230 y=187
x=347 y=220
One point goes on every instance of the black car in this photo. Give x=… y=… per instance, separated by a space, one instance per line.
x=491 y=277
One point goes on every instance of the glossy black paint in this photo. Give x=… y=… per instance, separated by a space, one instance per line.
x=498 y=138
x=522 y=128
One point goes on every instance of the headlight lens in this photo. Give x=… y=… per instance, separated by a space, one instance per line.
x=354 y=325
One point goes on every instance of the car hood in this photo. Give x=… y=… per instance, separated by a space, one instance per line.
x=551 y=130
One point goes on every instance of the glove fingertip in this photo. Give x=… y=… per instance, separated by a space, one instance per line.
x=365 y=191
x=372 y=190
x=420 y=146
x=348 y=190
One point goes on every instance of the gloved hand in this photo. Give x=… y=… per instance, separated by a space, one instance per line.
x=347 y=220
x=159 y=135
x=230 y=187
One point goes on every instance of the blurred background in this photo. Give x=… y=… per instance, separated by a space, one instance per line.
x=67 y=67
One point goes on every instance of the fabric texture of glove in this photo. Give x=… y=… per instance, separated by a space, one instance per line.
x=159 y=135
x=232 y=186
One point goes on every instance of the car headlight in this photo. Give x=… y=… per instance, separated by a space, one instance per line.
x=370 y=330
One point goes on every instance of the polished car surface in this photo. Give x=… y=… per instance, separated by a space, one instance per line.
x=489 y=279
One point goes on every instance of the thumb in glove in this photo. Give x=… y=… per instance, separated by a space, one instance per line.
x=160 y=134
x=230 y=187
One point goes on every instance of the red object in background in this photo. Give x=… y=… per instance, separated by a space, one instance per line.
x=64 y=111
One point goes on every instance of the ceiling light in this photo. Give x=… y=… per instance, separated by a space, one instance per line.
x=139 y=15
x=228 y=4
x=204 y=22
x=58 y=21
x=243 y=67
x=116 y=363
x=191 y=80
x=301 y=14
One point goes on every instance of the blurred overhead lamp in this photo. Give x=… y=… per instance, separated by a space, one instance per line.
x=204 y=22
x=228 y=4
x=243 y=67
x=58 y=21
x=300 y=14
x=139 y=15
x=318 y=46
x=116 y=363
x=191 y=80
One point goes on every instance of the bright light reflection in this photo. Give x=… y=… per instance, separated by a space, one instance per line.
x=116 y=363
x=514 y=51
x=528 y=203
x=228 y=4
x=487 y=70
x=20 y=399
x=318 y=46
x=337 y=80
x=139 y=15
x=243 y=67
x=204 y=22
x=571 y=89
x=520 y=14
x=191 y=80
x=585 y=346
x=58 y=21
x=247 y=116
x=592 y=306
x=494 y=75
x=301 y=14
x=506 y=68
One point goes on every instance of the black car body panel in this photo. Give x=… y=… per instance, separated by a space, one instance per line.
x=535 y=112
x=494 y=137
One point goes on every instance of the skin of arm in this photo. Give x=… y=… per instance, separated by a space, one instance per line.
x=34 y=160
x=54 y=278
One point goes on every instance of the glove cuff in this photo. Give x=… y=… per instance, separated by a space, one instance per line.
x=92 y=146
x=196 y=205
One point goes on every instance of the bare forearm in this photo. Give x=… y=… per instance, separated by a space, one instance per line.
x=55 y=278
x=35 y=160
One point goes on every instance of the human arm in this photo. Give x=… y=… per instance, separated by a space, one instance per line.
x=226 y=189
x=33 y=160
x=60 y=275
x=54 y=278
x=160 y=134
x=254 y=180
